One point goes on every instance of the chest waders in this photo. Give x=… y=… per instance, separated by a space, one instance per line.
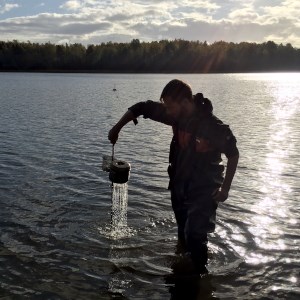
x=193 y=206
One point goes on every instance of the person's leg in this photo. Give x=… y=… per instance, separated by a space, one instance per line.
x=200 y=220
x=181 y=217
x=180 y=212
x=198 y=249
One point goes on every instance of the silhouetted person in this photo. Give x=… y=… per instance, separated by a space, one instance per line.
x=196 y=170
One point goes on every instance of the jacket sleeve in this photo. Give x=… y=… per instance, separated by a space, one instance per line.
x=151 y=110
x=230 y=148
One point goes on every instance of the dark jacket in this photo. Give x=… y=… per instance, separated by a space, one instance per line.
x=196 y=147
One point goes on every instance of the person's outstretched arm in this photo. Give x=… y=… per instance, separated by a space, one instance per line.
x=113 y=134
x=149 y=109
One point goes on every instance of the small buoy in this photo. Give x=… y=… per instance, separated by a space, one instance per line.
x=119 y=171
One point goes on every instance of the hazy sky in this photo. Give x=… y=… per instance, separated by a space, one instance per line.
x=96 y=21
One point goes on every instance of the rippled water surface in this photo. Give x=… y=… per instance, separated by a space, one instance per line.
x=59 y=235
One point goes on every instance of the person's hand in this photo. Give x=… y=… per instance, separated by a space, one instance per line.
x=220 y=195
x=113 y=135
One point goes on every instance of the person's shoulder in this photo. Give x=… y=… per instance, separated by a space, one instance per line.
x=153 y=103
x=214 y=119
x=210 y=120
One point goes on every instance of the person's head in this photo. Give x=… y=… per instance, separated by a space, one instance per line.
x=177 y=97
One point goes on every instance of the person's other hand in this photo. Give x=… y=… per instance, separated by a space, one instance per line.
x=220 y=195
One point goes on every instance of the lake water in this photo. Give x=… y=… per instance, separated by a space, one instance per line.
x=56 y=239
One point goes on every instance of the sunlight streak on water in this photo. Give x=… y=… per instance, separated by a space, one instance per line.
x=272 y=208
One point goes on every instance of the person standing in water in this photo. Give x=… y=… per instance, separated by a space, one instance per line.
x=197 y=182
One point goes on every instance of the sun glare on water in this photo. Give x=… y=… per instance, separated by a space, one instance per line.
x=272 y=207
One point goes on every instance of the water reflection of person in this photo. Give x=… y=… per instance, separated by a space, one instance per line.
x=196 y=169
x=191 y=288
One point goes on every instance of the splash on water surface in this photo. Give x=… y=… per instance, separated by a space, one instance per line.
x=118 y=228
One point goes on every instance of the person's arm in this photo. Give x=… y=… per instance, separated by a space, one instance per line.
x=224 y=140
x=149 y=109
x=113 y=134
x=221 y=194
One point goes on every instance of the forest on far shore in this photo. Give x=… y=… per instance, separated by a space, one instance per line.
x=176 y=56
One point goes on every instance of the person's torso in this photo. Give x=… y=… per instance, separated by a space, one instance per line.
x=196 y=156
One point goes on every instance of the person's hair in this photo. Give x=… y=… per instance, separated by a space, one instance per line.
x=177 y=90
x=204 y=105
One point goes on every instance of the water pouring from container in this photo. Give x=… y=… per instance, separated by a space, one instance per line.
x=119 y=171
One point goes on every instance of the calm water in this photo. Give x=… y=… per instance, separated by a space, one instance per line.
x=56 y=239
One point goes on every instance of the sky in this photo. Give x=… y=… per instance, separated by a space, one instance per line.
x=96 y=21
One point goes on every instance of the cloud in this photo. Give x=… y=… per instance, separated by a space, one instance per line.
x=243 y=15
x=208 y=6
x=52 y=27
x=91 y=21
x=7 y=7
x=72 y=5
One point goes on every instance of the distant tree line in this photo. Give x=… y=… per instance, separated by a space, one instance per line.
x=177 y=56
